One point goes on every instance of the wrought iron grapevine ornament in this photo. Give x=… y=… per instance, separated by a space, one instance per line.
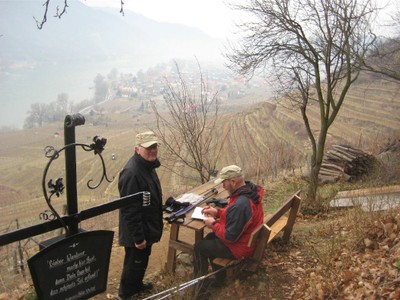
x=57 y=187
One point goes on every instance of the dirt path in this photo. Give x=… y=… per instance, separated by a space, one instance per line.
x=274 y=278
x=323 y=260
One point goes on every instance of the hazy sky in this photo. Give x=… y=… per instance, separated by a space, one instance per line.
x=212 y=16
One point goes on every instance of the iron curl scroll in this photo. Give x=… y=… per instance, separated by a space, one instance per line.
x=57 y=187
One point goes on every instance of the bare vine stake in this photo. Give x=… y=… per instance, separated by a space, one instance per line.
x=21 y=255
x=15 y=262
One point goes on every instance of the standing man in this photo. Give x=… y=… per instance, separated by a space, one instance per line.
x=232 y=226
x=140 y=223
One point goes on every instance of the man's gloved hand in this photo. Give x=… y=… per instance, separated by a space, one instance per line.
x=220 y=202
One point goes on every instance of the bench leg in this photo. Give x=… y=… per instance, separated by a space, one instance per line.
x=230 y=274
x=171 y=257
x=292 y=218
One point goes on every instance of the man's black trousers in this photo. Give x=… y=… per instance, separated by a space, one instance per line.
x=134 y=268
x=206 y=250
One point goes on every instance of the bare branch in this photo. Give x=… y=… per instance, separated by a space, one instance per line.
x=64 y=10
x=189 y=129
x=122 y=8
x=384 y=59
x=44 y=19
x=60 y=12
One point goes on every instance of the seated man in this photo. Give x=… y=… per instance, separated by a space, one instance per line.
x=232 y=226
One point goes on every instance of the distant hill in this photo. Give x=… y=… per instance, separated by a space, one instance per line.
x=92 y=33
x=67 y=54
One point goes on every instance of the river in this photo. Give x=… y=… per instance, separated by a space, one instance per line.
x=21 y=87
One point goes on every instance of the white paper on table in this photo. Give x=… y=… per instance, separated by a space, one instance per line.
x=197 y=213
x=191 y=198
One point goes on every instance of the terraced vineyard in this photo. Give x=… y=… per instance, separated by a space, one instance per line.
x=264 y=139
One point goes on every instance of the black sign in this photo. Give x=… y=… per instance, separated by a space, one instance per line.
x=75 y=267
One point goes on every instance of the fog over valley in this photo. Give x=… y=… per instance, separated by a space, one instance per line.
x=66 y=54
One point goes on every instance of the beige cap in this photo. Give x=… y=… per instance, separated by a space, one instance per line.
x=146 y=139
x=228 y=172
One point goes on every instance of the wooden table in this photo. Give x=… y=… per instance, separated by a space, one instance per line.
x=196 y=227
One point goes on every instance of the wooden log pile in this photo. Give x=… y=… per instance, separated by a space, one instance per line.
x=345 y=163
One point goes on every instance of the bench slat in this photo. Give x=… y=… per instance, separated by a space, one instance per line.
x=182 y=246
x=225 y=261
x=277 y=227
x=255 y=234
x=261 y=243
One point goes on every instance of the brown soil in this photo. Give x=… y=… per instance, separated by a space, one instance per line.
x=274 y=279
x=337 y=255
x=310 y=266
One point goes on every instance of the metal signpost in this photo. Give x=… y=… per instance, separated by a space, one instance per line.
x=73 y=265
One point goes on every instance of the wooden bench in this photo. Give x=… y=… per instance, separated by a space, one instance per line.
x=282 y=220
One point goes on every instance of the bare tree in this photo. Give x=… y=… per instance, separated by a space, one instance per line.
x=42 y=113
x=313 y=48
x=384 y=57
x=101 y=86
x=60 y=11
x=188 y=128
x=61 y=106
x=37 y=115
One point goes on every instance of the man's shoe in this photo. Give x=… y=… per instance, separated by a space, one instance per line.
x=146 y=287
x=203 y=295
x=213 y=282
x=202 y=290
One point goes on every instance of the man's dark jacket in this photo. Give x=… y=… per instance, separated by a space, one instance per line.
x=137 y=222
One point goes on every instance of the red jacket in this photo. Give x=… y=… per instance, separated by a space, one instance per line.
x=240 y=218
